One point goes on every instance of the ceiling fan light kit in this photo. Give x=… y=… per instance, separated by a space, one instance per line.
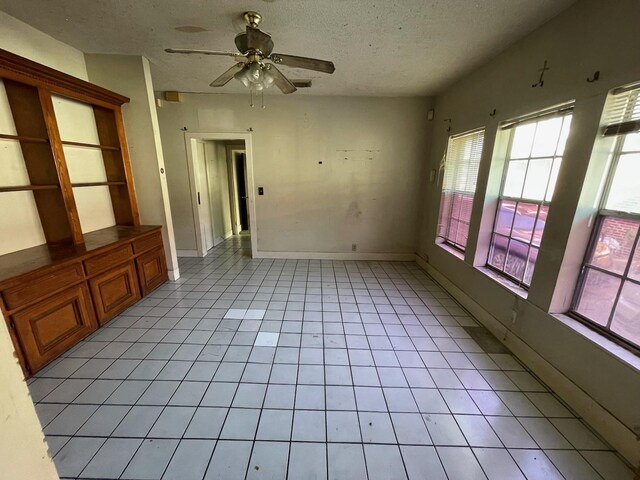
x=252 y=69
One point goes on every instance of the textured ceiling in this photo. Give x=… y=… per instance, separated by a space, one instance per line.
x=383 y=47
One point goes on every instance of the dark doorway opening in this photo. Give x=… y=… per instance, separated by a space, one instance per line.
x=242 y=191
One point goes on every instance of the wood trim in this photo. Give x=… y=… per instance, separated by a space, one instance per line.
x=27 y=71
x=23 y=138
x=61 y=165
x=88 y=145
x=124 y=150
x=22 y=188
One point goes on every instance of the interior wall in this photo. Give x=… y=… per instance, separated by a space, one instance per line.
x=20 y=225
x=336 y=171
x=23 y=450
x=590 y=36
x=130 y=76
x=218 y=178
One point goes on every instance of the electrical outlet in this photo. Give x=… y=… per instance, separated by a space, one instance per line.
x=514 y=316
x=354 y=247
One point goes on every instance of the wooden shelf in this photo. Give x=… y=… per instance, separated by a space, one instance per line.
x=96 y=184
x=21 y=188
x=90 y=145
x=23 y=138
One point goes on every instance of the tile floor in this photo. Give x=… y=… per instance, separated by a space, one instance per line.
x=269 y=369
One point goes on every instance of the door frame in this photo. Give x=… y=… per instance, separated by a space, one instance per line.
x=191 y=140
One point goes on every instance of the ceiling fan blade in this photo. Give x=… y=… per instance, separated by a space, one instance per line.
x=280 y=80
x=227 y=76
x=303 y=62
x=258 y=40
x=188 y=51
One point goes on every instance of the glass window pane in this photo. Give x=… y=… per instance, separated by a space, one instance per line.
x=631 y=142
x=453 y=231
x=504 y=222
x=462 y=234
x=517 y=259
x=535 y=185
x=598 y=294
x=522 y=141
x=540 y=223
x=498 y=252
x=525 y=221
x=624 y=194
x=466 y=205
x=445 y=213
x=546 y=139
x=634 y=269
x=457 y=203
x=615 y=239
x=516 y=171
x=553 y=178
x=626 y=319
x=531 y=263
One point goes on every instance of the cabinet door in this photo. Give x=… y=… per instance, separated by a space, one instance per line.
x=114 y=291
x=54 y=325
x=152 y=270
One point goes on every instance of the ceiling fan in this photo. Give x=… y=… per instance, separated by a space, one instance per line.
x=255 y=47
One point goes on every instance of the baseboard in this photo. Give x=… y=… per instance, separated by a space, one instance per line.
x=228 y=234
x=174 y=274
x=187 y=253
x=612 y=430
x=381 y=257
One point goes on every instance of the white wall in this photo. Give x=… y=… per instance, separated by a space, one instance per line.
x=369 y=198
x=130 y=76
x=592 y=35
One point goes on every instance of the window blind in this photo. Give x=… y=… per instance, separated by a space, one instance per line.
x=622 y=111
x=462 y=162
x=461 y=165
x=557 y=111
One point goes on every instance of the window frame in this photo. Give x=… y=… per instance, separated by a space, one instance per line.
x=601 y=214
x=560 y=112
x=444 y=239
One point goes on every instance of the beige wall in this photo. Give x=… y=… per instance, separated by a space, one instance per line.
x=364 y=192
x=130 y=76
x=592 y=35
x=19 y=222
x=23 y=450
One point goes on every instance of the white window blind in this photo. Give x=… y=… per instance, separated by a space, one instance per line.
x=461 y=166
x=622 y=111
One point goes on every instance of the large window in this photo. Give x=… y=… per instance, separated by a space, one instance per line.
x=458 y=187
x=535 y=151
x=608 y=293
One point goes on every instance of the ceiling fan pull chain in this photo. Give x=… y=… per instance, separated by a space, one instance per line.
x=251 y=97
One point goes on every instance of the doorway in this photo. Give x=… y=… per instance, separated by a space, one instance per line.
x=243 y=214
x=221 y=181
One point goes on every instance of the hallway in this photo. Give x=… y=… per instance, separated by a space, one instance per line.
x=305 y=369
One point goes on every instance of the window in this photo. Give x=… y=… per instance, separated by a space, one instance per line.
x=608 y=293
x=535 y=151
x=458 y=187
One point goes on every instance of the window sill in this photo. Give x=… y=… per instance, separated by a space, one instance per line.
x=504 y=282
x=609 y=346
x=449 y=249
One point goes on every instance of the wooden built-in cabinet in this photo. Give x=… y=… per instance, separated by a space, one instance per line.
x=55 y=294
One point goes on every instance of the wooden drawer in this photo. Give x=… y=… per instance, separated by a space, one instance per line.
x=107 y=260
x=49 y=328
x=36 y=287
x=147 y=243
x=152 y=270
x=114 y=291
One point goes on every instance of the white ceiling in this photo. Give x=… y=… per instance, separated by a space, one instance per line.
x=383 y=47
